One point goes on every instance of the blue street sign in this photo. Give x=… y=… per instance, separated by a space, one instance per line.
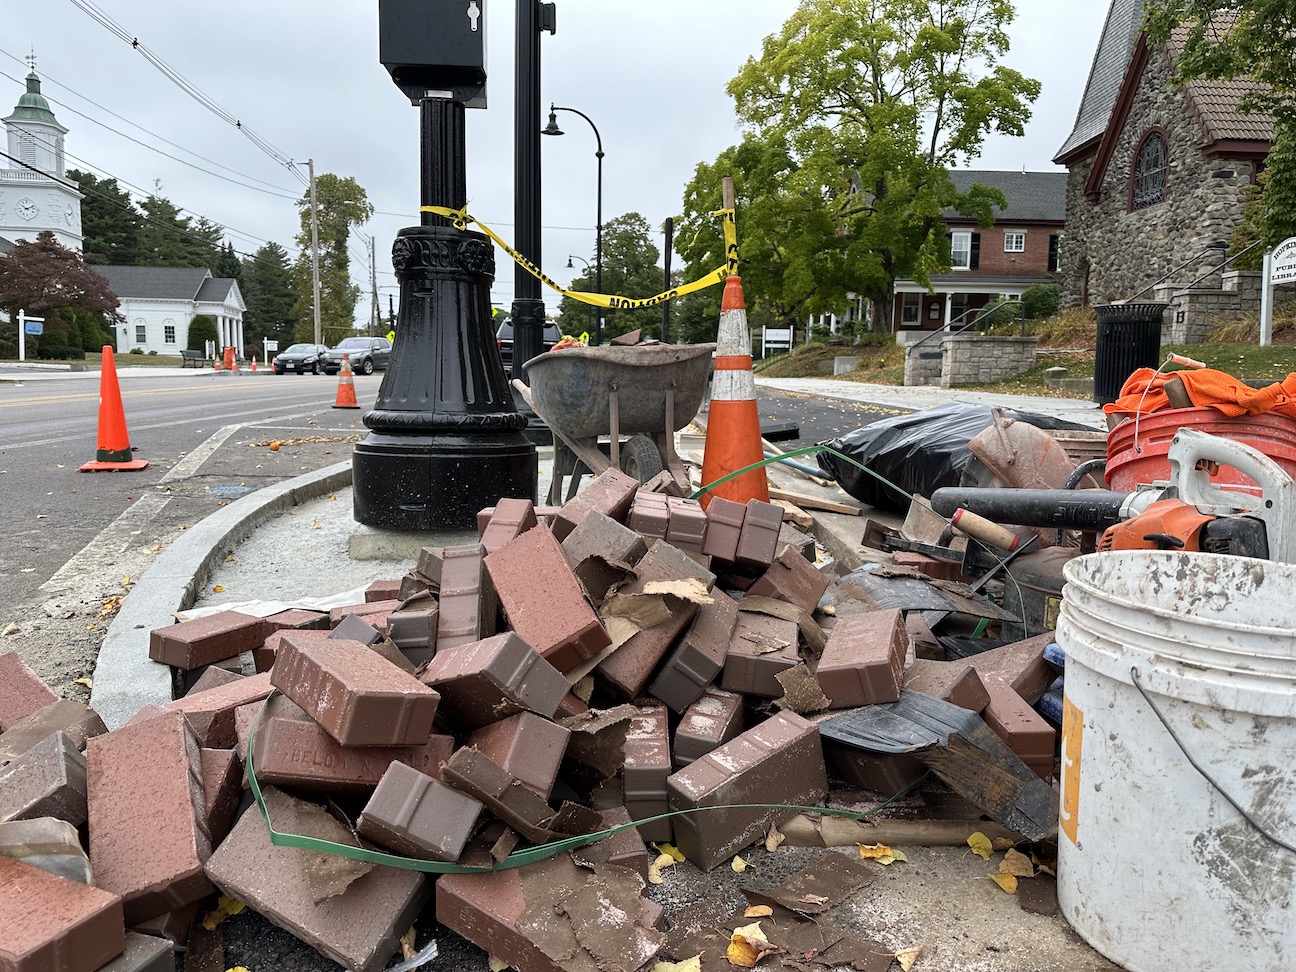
x=33 y=327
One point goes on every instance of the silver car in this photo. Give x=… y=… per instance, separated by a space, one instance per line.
x=367 y=355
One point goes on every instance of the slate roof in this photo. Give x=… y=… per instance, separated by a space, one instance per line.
x=1031 y=195
x=1120 y=31
x=160 y=283
x=215 y=289
x=5 y=246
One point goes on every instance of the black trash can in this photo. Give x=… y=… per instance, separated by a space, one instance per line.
x=1129 y=338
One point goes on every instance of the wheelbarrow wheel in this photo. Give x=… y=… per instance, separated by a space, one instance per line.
x=641 y=458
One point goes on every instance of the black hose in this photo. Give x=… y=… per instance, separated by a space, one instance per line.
x=1079 y=473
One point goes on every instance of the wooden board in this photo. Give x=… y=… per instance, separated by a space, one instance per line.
x=813 y=502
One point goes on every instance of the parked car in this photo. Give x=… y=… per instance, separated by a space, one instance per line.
x=367 y=354
x=504 y=338
x=300 y=358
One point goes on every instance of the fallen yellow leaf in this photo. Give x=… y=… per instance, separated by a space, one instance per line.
x=748 y=945
x=218 y=589
x=758 y=911
x=87 y=682
x=881 y=853
x=980 y=845
x=672 y=850
x=225 y=907
x=1017 y=864
x=497 y=965
x=774 y=838
x=1006 y=881
x=408 y=951
x=1002 y=843
x=908 y=956
x=655 y=868
x=739 y=865
x=693 y=964
x=237 y=968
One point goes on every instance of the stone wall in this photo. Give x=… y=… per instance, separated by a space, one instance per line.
x=968 y=359
x=923 y=364
x=1121 y=251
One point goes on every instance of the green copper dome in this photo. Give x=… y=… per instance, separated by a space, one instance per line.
x=32 y=105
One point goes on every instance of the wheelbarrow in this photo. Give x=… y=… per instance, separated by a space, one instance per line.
x=649 y=390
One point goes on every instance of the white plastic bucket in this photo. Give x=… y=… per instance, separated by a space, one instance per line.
x=1156 y=869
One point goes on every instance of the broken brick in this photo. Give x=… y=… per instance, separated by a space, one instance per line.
x=1021 y=663
x=761 y=647
x=502 y=793
x=359 y=697
x=863 y=659
x=148 y=828
x=413 y=627
x=77 y=720
x=779 y=761
x=202 y=641
x=706 y=725
x=210 y=677
x=50 y=923
x=625 y=848
x=387 y=589
x=355 y=627
x=143 y=953
x=647 y=764
x=412 y=814
x=543 y=601
x=1027 y=733
x=792 y=578
x=489 y=680
x=222 y=775
x=509 y=519
x=466 y=612
x=359 y=928
x=21 y=691
x=956 y=682
x=49 y=780
x=697 y=660
x=48 y=843
x=375 y=612
x=211 y=713
x=298 y=753
x=611 y=493
x=303 y=620
x=526 y=746
x=601 y=552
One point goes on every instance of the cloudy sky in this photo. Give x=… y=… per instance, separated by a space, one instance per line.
x=304 y=76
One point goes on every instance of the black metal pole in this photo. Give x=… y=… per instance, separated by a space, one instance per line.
x=528 y=308
x=666 y=262
x=598 y=239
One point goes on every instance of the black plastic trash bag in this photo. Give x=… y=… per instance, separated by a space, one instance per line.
x=920 y=452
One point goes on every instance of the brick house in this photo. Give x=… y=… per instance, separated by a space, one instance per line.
x=1019 y=251
x=1155 y=175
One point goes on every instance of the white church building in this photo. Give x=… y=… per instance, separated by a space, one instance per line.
x=158 y=303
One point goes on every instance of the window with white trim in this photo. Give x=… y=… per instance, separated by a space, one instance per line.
x=141 y=332
x=910 y=308
x=168 y=333
x=1014 y=241
x=961 y=250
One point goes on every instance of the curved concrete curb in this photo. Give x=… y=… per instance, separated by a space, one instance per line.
x=125 y=679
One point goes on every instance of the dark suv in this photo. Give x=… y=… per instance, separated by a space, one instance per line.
x=504 y=337
x=301 y=358
x=366 y=354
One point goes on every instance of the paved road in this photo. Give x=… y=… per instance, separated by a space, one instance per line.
x=72 y=539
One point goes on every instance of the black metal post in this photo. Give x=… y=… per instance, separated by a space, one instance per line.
x=598 y=214
x=528 y=308
x=666 y=280
x=445 y=437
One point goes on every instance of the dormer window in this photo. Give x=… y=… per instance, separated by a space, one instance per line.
x=1151 y=164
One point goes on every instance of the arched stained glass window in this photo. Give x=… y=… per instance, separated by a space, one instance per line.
x=1150 y=167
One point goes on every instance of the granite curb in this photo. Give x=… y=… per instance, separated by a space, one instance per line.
x=125 y=679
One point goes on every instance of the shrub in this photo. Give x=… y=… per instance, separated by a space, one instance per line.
x=201 y=330
x=59 y=352
x=1041 y=301
x=136 y=351
x=152 y=352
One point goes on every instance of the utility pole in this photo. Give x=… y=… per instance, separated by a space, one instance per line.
x=375 y=318
x=315 y=284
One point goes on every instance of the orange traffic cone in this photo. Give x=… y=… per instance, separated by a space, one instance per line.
x=346 y=386
x=733 y=436
x=254 y=362
x=113 y=453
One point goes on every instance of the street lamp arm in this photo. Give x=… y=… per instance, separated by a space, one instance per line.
x=598 y=139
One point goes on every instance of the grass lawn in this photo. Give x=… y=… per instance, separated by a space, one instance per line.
x=93 y=360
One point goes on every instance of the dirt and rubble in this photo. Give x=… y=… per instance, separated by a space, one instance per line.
x=546 y=672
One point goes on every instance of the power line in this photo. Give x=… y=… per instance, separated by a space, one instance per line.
x=272 y=191
x=184 y=84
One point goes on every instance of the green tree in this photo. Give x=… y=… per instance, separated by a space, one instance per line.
x=110 y=223
x=201 y=330
x=342 y=204
x=1255 y=42
x=855 y=111
x=46 y=279
x=169 y=239
x=630 y=269
x=270 y=293
x=227 y=263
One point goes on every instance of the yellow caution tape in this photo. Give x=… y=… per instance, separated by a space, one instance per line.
x=461 y=219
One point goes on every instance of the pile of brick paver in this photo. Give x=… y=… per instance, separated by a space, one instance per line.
x=583 y=667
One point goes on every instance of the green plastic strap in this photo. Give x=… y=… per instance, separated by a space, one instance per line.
x=518 y=858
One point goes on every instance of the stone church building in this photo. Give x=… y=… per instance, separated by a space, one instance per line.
x=1156 y=174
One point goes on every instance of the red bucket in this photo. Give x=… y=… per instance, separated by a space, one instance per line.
x=1128 y=466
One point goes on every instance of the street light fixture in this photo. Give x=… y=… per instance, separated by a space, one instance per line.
x=570 y=258
x=553 y=129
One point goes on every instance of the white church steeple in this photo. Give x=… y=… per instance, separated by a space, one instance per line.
x=35 y=193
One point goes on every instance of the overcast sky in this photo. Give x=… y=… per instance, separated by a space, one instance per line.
x=304 y=76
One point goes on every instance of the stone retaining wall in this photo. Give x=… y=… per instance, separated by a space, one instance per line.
x=968 y=359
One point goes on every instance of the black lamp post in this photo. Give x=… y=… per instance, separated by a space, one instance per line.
x=553 y=129
x=570 y=258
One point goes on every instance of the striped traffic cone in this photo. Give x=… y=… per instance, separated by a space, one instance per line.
x=733 y=436
x=346 y=386
x=113 y=452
